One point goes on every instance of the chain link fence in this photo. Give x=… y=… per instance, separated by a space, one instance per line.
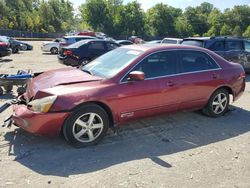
x=28 y=34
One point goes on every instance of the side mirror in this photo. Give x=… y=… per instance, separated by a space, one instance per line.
x=136 y=76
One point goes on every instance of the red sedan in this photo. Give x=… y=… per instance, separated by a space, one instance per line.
x=128 y=83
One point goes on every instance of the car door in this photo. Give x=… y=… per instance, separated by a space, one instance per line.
x=247 y=55
x=156 y=94
x=111 y=46
x=199 y=74
x=96 y=49
x=235 y=51
x=218 y=47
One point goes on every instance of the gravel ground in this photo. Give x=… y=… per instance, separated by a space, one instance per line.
x=182 y=150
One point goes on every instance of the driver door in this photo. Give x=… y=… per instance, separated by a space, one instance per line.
x=154 y=95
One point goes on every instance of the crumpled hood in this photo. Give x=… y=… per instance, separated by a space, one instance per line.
x=58 y=77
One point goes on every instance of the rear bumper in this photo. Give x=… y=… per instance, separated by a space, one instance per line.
x=5 y=53
x=67 y=61
x=47 y=124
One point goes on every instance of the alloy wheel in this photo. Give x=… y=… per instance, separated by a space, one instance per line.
x=219 y=103
x=87 y=127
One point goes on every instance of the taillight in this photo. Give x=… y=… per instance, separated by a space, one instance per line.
x=242 y=75
x=4 y=44
x=67 y=53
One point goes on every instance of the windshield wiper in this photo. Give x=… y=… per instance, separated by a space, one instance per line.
x=87 y=71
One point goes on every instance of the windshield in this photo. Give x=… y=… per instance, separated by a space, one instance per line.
x=112 y=62
x=198 y=43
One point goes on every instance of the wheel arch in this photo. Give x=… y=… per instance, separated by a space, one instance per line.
x=102 y=105
x=226 y=87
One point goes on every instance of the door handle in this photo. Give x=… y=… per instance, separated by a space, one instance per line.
x=171 y=83
x=215 y=76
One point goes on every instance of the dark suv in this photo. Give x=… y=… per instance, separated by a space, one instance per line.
x=233 y=49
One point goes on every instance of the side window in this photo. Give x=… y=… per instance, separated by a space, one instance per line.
x=217 y=46
x=158 y=64
x=96 y=46
x=111 y=46
x=193 y=61
x=234 y=45
x=247 y=46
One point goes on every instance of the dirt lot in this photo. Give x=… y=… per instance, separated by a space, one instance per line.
x=181 y=150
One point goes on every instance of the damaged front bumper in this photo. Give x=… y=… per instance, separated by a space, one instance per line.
x=47 y=124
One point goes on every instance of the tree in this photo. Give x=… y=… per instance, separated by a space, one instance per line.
x=183 y=27
x=225 y=30
x=133 y=19
x=247 y=32
x=237 y=31
x=97 y=15
x=161 y=18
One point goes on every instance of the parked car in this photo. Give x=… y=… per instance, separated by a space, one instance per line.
x=233 y=49
x=124 y=42
x=51 y=46
x=14 y=45
x=171 y=40
x=154 y=42
x=5 y=49
x=24 y=45
x=125 y=84
x=68 y=40
x=82 y=52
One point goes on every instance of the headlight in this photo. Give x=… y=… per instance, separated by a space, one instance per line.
x=43 y=104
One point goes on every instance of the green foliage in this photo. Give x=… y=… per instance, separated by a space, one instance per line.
x=115 y=18
x=247 y=32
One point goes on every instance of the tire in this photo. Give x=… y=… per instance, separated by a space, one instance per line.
x=1 y=91
x=21 y=90
x=54 y=50
x=79 y=129
x=24 y=47
x=218 y=103
x=8 y=88
x=15 y=50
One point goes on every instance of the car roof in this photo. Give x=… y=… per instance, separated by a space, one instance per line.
x=80 y=36
x=123 y=41
x=162 y=46
x=172 y=39
x=215 y=38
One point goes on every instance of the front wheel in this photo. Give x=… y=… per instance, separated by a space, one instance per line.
x=86 y=125
x=217 y=104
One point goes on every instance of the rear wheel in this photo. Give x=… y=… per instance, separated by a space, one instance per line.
x=54 y=50
x=217 y=104
x=86 y=126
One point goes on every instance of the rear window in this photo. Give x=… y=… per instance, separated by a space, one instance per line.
x=78 y=44
x=217 y=46
x=234 y=45
x=95 y=45
x=247 y=46
x=193 y=61
x=198 y=43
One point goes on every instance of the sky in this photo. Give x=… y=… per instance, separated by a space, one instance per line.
x=146 y=4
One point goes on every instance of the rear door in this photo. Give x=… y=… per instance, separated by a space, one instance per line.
x=235 y=51
x=218 y=47
x=111 y=46
x=199 y=74
x=96 y=49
